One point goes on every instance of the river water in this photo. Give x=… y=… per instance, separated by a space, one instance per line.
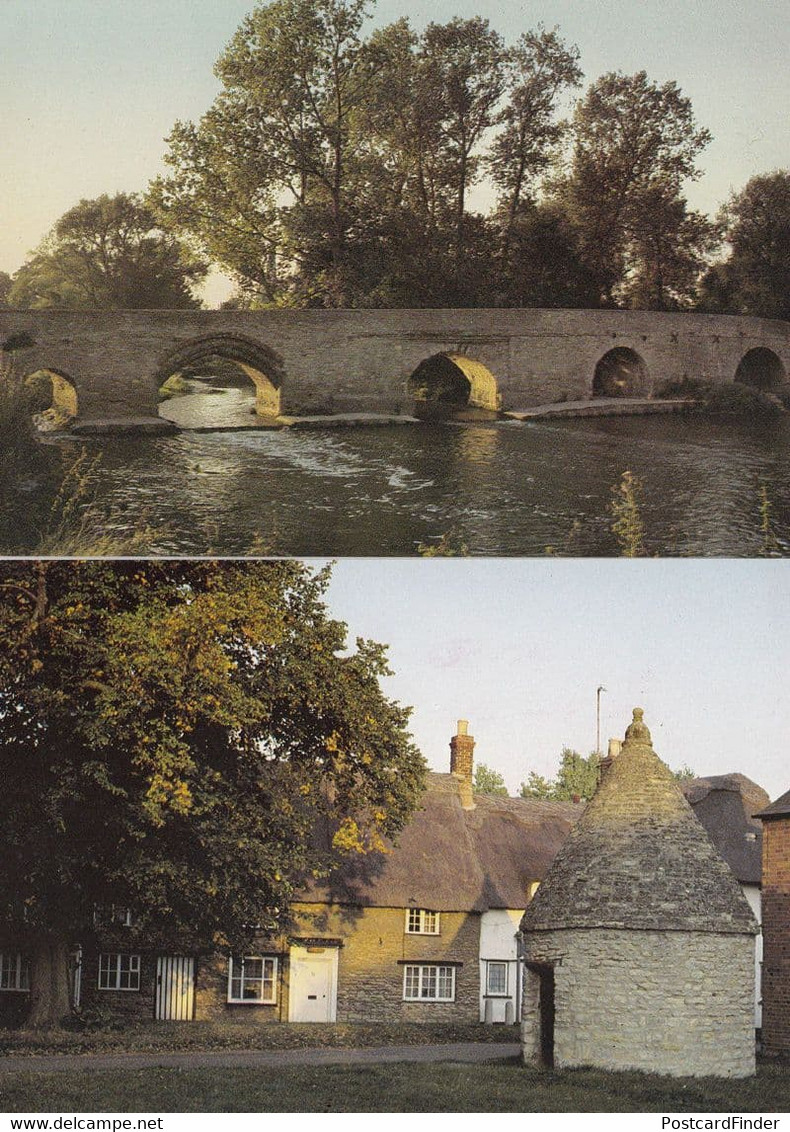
x=506 y=488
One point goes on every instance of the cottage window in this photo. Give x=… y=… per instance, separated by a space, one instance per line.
x=119 y=972
x=14 y=973
x=252 y=978
x=424 y=983
x=111 y=916
x=421 y=922
x=496 y=977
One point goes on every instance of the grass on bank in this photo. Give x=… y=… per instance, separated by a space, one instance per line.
x=438 y=1087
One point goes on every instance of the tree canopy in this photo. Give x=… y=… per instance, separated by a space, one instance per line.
x=174 y=738
x=754 y=279
x=110 y=254
x=576 y=778
x=488 y=781
x=335 y=168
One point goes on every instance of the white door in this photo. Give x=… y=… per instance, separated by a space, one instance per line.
x=175 y=988
x=312 y=984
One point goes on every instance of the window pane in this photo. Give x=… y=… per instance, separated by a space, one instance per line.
x=412 y=982
x=428 y=982
x=446 y=982
x=414 y=919
x=497 y=978
x=430 y=922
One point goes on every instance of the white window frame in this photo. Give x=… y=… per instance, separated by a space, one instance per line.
x=491 y=963
x=14 y=973
x=117 y=966
x=420 y=983
x=243 y=980
x=422 y=921
x=111 y=916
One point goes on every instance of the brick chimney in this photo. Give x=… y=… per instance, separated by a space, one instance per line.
x=613 y=752
x=462 y=746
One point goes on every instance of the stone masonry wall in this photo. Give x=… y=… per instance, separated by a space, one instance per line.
x=370 y=974
x=776 y=935
x=679 y=1003
x=359 y=361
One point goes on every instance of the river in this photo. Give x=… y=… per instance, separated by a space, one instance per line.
x=505 y=488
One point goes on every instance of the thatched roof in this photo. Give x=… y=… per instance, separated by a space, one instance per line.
x=778 y=809
x=726 y=805
x=449 y=858
x=638 y=858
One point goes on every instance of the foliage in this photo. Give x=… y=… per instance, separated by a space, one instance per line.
x=626 y=509
x=5 y=288
x=488 y=781
x=722 y=398
x=335 y=169
x=577 y=777
x=635 y=144
x=770 y=547
x=172 y=736
x=108 y=253
x=755 y=278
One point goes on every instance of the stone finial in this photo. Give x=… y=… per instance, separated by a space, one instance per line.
x=637 y=732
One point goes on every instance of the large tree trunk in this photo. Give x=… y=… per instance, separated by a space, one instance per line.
x=49 y=985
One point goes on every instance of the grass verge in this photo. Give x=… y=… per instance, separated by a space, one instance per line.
x=442 y=1087
x=198 y=1036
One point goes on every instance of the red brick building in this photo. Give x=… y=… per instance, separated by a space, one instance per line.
x=776 y=926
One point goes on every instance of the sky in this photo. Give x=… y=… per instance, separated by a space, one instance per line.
x=518 y=647
x=91 y=88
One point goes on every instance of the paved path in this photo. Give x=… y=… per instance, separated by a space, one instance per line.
x=472 y=1052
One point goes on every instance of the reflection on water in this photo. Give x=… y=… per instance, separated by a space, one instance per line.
x=507 y=488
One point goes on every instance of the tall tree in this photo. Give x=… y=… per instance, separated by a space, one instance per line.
x=265 y=181
x=755 y=277
x=540 y=68
x=108 y=253
x=171 y=736
x=635 y=142
x=463 y=72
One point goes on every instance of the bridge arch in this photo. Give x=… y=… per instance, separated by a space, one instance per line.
x=454 y=382
x=57 y=404
x=260 y=364
x=761 y=368
x=621 y=372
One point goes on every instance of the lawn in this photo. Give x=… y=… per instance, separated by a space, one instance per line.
x=504 y=1087
x=144 y=1037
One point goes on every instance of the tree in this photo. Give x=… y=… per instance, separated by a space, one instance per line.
x=755 y=277
x=488 y=781
x=174 y=738
x=463 y=70
x=265 y=182
x=577 y=778
x=110 y=254
x=539 y=69
x=635 y=145
x=5 y=288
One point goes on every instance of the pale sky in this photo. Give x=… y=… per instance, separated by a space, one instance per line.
x=92 y=87
x=519 y=646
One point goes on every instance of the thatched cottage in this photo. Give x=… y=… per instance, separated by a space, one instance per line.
x=639 y=944
x=426 y=932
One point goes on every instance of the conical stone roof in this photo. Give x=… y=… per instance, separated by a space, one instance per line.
x=639 y=858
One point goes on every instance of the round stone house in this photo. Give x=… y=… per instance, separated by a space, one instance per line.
x=639 y=944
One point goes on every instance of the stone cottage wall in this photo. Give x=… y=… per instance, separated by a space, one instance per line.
x=674 y=1002
x=375 y=948
x=776 y=935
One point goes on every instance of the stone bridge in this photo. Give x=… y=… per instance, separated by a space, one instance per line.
x=107 y=366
